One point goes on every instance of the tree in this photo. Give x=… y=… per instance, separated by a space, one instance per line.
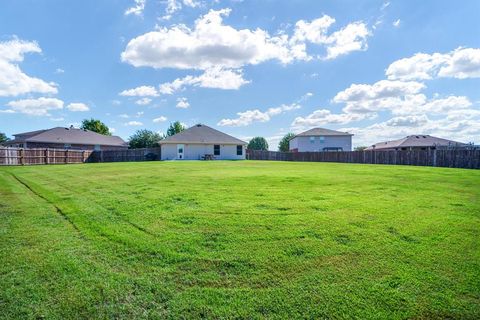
x=258 y=143
x=175 y=128
x=3 y=137
x=360 y=148
x=95 y=126
x=284 y=145
x=144 y=139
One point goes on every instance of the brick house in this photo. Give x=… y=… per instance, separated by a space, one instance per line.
x=66 y=138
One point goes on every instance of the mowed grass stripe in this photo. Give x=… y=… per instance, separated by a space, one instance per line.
x=255 y=239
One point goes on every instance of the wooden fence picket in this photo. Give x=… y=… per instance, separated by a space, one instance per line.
x=438 y=158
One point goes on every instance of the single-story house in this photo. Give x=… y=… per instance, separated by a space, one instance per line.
x=417 y=142
x=66 y=138
x=200 y=142
x=320 y=139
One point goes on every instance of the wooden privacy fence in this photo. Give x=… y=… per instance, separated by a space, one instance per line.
x=127 y=155
x=437 y=158
x=19 y=156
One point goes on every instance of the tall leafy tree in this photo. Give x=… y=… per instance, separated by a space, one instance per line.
x=284 y=145
x=95 y=125
x=258 y=143
x=144 y=139
x=3 y=137
x=174 y=128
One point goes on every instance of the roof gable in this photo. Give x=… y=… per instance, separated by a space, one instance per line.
x=419 y=140
x=202 y=134
x=72 y=136
x=322 y=132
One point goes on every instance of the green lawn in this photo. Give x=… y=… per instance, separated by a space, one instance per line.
x=240 y=239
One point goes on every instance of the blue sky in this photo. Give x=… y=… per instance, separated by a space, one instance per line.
x=378 y=69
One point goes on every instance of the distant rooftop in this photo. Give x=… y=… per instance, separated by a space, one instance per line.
x=68 y=135
x=322 y=132
x=418 y=140
x=202 y=134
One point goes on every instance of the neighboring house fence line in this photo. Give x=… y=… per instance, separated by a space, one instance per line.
x=454 y=158
x=33 y=156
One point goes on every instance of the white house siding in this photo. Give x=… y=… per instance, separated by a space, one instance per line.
x=197 y=151
x=303 y=143
x=293 y=144
x=168 y=151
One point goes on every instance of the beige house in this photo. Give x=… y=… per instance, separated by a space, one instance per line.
x=202 y=142
x=321 y=139
x=66 y=138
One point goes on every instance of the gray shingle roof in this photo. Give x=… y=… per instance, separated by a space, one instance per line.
x=71 y=136
x=322 y=132
x=420 y=140
x=30 y=133
x=202 y=134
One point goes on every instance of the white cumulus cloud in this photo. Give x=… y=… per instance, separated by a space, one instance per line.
x=460 y=63
x=323 y=116
x=160 y=119
x=407 y=121
x=216 y=77
x=247 y=117
x=314 y=31
x=365 y=98
x=36 y=107
x=143 y=101
x=137 y=9
x=402 y=99
x=182 y=103
x=465 y=127
x=78 y=107
x=134 y=123
x=211 y=43
x=351 y=38
x=142 y=91
x=13 y=81
x=176 y=5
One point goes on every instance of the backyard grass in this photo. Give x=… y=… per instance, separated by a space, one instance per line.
x=239 y=239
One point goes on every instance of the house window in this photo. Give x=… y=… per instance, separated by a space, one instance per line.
x=97 y=147
x=312 y=139
x=239 y=150
x=67 y=146
x=322 y=139
x=216 y=150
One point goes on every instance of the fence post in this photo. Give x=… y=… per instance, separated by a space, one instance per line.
x=46 y=156
x=22 y=160
x=435 y=157
x=66 y=156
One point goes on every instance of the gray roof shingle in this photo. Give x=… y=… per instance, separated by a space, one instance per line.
x=202 y=134
x=71 y=136
x=322 y=132
x=419 y=140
